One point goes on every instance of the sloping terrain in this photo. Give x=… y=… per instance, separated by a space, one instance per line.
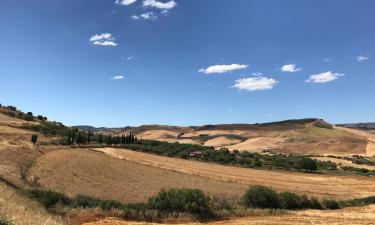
x=370 y=147
x=341 y=187
x=22 y=210
x=349 y=216
x=80 y=171
x=308 y=136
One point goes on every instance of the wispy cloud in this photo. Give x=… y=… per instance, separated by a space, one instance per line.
x=361 y=58
x=125 y=2
x=104 y=39
x=327 y=60
x=145 y=16
x=290 y=68
x=324 y=77
x=131 y=57
x=222 y=68
x=119 y=77
x=160 y=5
x=255 y=83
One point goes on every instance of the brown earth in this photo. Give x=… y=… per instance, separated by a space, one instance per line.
x=324 y=186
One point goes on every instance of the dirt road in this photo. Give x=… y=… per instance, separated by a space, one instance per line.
x=340 y=187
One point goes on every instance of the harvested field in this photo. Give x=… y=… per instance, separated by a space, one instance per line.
x=257 y=144
x=324 y=186
x=370 y=148
x=349 y=216
x=80 y=171
x=222 y=141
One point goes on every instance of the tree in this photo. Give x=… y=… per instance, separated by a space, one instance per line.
x=89 y=137
x=34 y=139
x=73 y=136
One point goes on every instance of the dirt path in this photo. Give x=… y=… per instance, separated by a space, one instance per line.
x=350 y=216
x=341 y=187
x=370 y=149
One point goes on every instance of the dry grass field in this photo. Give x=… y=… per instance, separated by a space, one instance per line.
x=370 y=148
x=79 y=171
x=325 y=186
x=349 y=216
x=23 y=211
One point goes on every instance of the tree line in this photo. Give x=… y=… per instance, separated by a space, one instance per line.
x=76 y=136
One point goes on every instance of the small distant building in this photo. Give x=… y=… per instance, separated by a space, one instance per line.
x=195 y=153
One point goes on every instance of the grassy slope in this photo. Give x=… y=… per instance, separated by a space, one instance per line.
x=23 y=211
x=95 y=174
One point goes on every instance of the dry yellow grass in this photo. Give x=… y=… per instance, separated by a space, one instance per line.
x=257 y=144
x=80 y=171
x=23 y=211
x=222 y=141
x=341 y=187
x=370 y=148
x=349 y=216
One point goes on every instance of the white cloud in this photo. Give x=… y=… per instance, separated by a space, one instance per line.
x=119 y=77
x=255 y=83
x=222 y=68
x=290 y=68
x=145 y=16
x=125 y=2
x=104 y=39
x=324 y=77
x=160 y=5
x=361 y=58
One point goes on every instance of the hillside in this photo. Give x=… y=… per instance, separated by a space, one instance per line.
x=301 y=137
x=127 y=176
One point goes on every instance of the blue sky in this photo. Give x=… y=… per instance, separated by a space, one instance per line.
x=188 y=62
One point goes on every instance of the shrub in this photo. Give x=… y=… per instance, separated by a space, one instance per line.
x=261 y=197
x=89 y=202
x=290 y=201
x=49 y=198
x=4 y=221
x=184 y=200
x=330 y=204
x=315 y=204
x=306 y=163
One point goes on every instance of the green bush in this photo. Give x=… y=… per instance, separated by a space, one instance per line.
x=89 y=202
x=261 y=197
x=306 y=163
x=315 y=203
x=4 y=221
x=183 y=200
x=49 y=198
x=291 y=201
x=330 y=204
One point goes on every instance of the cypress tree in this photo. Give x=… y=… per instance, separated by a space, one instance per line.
x=89 y=137
x=74 y=135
